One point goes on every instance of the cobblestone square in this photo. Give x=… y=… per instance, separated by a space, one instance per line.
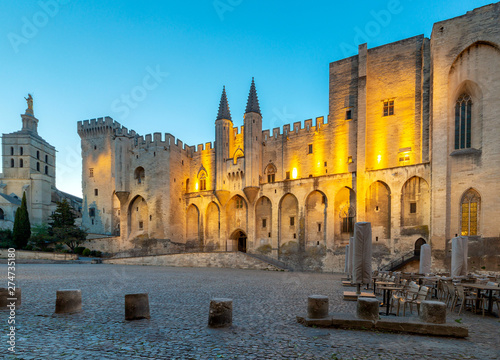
x=265 y=305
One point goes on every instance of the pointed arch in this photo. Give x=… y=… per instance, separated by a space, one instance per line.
x=344 y=214
x=415 y=202
x=237 y=154
x=271 y=171
x=202 y=179
x=316 y=209
x=236 y=216
x=139 y=175
x=192 y=226
x=470 y=211
x=263 y=221
x=378 y=210
x=138 y=217
x=288 y=219
x=212 y=227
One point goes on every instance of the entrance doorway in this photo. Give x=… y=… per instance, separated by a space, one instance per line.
x=418 y=245
x=240 y=238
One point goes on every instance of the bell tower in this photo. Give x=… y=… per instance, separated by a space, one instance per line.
x=223 y=140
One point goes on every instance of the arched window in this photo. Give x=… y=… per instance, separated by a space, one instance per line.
x=187 y=185
x=463 y=122
x=37 y=166
x=203 y=180
x=12 y=150
x=47 y=159
x=38 y=155
x=12 y=163
x=271 y=173
x=470 y=207
x=139 y=175
x=21 y=163
x=46 y=170
x=21 y=151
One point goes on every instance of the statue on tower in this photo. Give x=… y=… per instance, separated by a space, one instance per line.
x=29 y=100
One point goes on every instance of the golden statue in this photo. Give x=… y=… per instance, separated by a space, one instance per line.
x=29 y=100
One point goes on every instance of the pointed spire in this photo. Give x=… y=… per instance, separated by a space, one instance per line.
x=253 y=101
x=224 y=112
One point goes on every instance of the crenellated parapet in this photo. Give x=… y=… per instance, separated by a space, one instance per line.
x=100 y=126
x=297 y=129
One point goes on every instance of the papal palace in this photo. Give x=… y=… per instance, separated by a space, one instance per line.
x=411 y=144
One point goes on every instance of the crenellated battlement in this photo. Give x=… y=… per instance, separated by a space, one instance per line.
x=297 y=129
x=105 y=125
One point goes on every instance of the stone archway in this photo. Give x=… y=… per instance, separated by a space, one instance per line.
x=239 y=239
x=418 y=245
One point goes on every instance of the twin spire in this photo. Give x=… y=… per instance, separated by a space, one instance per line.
x=252 y=103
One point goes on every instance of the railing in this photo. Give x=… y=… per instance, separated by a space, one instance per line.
x=269 y=260
x=394 y=264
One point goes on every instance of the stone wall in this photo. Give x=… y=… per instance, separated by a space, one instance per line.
x=37 y=255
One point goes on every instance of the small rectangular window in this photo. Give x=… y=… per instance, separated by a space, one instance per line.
x=348 y=114
x=388 y=107
x=288 y=175
x=413 y=208
x=264 y=223
x=349 y=160
x=203 y=184
x=310 y=149
x=292 y=220
x=270 y=178
x=91 y=172
x=91 y=212
x=268 y=234
x=141 y=225
x=96 y=192
x=319 y=227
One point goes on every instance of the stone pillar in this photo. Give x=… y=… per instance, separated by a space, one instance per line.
x=5 y=296
x=136 y=307
x=367 y=308
x=433 y=312
x=68 y=301
x=221 y=313
x=317 y=307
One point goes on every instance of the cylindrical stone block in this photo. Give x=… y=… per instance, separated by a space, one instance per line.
x=136 y=307
x=5 y=295
x=317 y=307
x=367 y=308
x=433 y=312
x=68 y=301
x=221 y=313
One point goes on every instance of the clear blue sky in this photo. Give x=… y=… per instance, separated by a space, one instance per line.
x=80 y=58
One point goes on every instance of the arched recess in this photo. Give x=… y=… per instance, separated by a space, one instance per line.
x=270 y=171
x=378 y=210
x=237 y=154
x=212 y=227
x=316 y=205
x=138 y=217
x=238 y=241
x=288 y=219
x=344 y=214
x=193 y=226
x=415 y=203
x=236 y=217
x=418 y=245
x=139 y=175
x=115 y=215
x=473 y=66
x=470 y=213
x=263 y=221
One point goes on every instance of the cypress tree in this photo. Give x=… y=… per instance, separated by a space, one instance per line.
x=22 y=227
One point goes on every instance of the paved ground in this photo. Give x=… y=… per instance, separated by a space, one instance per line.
x=264 y=308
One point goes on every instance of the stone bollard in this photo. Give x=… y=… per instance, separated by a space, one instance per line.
x=367 y=308
x=5 y=296
x=317 y=307
x=221 y=313
x=68 y=301
x=433 y=312
x=136 y=307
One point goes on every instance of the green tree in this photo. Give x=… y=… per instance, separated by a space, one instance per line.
x=22 y=227
x=40 y=238
x=63 y=228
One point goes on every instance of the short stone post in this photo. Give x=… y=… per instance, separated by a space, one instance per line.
x=367 y=308
x=68 y=301
x=220 y=313
x=137 y=307
x=433 y=312
x=5 y=295
x=317 y=307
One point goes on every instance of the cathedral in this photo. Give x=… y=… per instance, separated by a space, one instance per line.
x=29 y=166
x=410 y=145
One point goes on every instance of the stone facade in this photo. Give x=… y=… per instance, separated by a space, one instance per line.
x=409 y=145
x=29 y=166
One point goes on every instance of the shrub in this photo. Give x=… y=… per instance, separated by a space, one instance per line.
x=265 y=249
x=79 y=250
x=95 y=253
x=86 y=252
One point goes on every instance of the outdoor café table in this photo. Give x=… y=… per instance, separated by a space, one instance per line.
x=489 y=288
x=387 y=296
x=381 y=283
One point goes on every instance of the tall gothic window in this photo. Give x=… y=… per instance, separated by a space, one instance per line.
x=470 y=213
x=271 y=173
x=463 y=122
